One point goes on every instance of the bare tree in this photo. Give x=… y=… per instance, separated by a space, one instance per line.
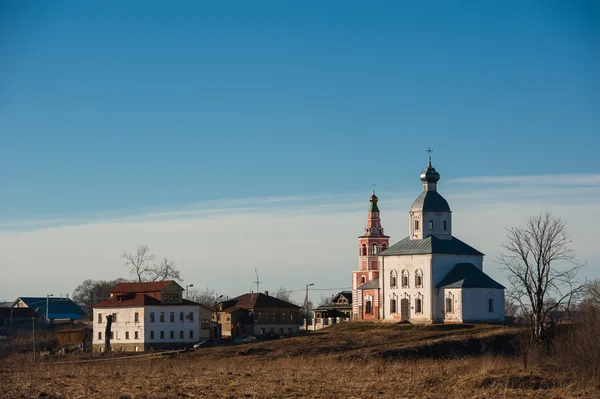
x=592 y=294
x=144 y=270
x=90 y=292
x=139 y=262
x=284 y=294
x=540 y=266
x=325 y=300
x=206 y=297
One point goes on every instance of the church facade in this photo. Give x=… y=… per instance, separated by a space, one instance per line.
x=428 y=277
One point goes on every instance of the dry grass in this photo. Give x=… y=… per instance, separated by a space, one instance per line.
x=339 y=363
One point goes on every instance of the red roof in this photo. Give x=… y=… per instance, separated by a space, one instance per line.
x=258 y=301
x=124 y=288
x=138 y=301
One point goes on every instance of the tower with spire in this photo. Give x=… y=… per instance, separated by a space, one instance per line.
x=365 y=280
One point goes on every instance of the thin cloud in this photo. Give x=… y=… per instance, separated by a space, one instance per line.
x=551 y=180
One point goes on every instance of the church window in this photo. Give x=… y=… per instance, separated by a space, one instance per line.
x=431 y=225
x=418 y=279
x=363 y=279
x=393 y=308
x=418 y=305
x=369 y=306
x=364 y=250
x=491 y=305
x=445 y=226
x=393 y=280
x=374 y=249
x=383 y=247
x=416 y=225
x=380 y=231
x=449 y=305
x=404 y=279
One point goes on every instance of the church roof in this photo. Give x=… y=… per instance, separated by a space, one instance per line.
x=430 y=245
x=369 y=285
x=430 y=201
x=466 y=275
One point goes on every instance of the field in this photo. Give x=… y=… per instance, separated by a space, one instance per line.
x=346 y=361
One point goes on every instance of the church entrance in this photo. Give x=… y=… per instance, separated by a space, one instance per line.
x=404 y=309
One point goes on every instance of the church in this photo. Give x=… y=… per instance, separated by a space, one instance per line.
x=429 y=276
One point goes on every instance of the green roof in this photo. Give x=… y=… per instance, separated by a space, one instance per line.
x=466 y=275
x=430 y=245
x=373 y=207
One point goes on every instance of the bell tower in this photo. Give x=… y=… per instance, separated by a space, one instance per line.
x=370 y=244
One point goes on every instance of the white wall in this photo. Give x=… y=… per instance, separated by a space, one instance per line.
x=457 y=305
x=475 y=304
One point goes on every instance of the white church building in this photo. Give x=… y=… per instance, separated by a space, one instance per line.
x=431 y=276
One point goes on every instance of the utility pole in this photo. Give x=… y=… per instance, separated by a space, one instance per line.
x=186 y=290
x=48 y=303
x=33 y=331
x=306 y=307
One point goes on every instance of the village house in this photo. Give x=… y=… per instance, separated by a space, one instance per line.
x=150 y=316
x=58 y=310
x=257 y=314
x=338 y=309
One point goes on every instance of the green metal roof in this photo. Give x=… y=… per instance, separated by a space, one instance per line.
x=430 y=245
x=466 y=275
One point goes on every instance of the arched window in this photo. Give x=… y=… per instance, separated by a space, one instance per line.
x=418 y=279
x=431 y=225
x=393 y=279
x=363 y=279
x=404 y=279
x=369 y=306
x=374 y=249
x=364 y=250
x=491 y=305
x=444 y=223
x=416 y=225
x=380 y=231
x=418 y=305
x=449 y=304
x=393 y=307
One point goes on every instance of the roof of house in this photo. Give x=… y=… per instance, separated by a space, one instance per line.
x=430 y=245
x=254 y=300
x=369 y=285
x=153 y=286
x=332 y=305
x=138 y=301
x=58 y=308
x=466 y=275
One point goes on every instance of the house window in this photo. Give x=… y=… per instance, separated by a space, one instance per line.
x=172 y=334
x=431 y=225
x=136 y=317
x=162 y=317
x=151 y=334
x=100 y=335
x=418 y=279
x=151 y=317
x=191 y=316
x=491 y=305
x=374 y=249
x=162 y=335
x=99 y=318
x=369 y=306
x=114 y=315
x=191 y=334
x=393 y=308
x=126 y=335
x=416 y=225
x=393 y=280
x=449 y=305
x=444 y=224
x=181 y=334
x=404 y=279
x=205 y=324
x=172 y=317
x=418 y=305
x=180 y=316
x=136 y=335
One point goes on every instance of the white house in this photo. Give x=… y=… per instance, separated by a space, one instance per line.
x=432 y=276
x=148 y=316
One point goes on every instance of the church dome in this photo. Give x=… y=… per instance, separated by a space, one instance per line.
x=430 y=201
x=429 y=174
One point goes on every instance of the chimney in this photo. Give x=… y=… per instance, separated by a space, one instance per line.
x=267 y=293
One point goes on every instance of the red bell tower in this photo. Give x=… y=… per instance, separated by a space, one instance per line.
x=365 y=281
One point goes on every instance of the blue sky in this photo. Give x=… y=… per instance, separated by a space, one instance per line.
x=113 y=109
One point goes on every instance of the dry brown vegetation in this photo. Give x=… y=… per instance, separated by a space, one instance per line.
x=341 y=362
